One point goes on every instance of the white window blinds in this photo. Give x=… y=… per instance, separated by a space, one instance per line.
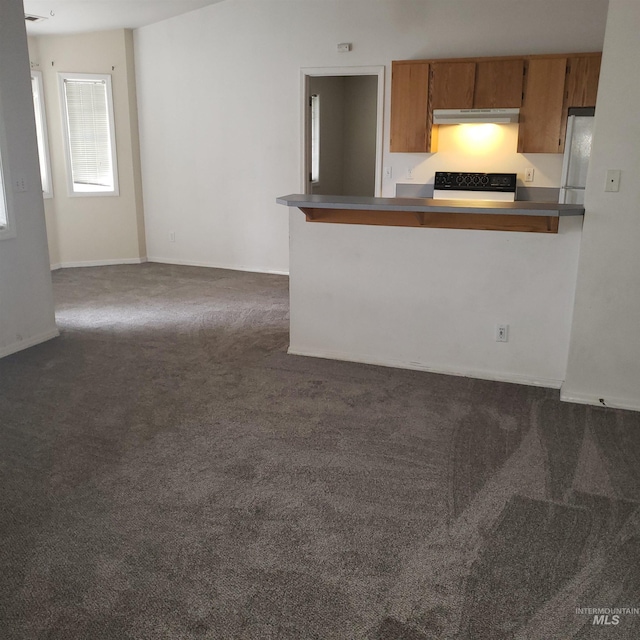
x=89 y=132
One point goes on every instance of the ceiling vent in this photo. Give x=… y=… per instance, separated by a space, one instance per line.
x=29 y=17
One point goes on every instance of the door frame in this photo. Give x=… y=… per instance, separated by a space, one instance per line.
x=305 y=152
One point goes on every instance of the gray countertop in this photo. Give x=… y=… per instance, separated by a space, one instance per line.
x=428 y=205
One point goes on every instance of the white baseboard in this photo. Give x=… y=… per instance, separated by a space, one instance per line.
x=632 y=404
x=96 y=263
x=29 y=342
x=185 y=263
x=211 y=265
x=417 y=366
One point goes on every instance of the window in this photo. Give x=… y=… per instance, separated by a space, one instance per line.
x=41 y=133
x=315 y=138
x=90 y=145
x=7 y=226
x=4 y=216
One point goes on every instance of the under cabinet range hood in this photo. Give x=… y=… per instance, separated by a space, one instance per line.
x=471 y=116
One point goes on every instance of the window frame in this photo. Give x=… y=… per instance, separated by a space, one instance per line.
x=90 y=77
x=46 y=177
x=8 y=230
x=314 y=104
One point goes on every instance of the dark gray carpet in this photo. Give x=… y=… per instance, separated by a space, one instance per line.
x=168 y=471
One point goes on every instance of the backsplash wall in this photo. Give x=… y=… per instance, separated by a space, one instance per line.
x=486 y=148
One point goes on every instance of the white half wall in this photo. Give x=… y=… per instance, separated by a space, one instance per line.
x=604 y=361
x=430 y=298
x=26 y=299
x=219 y=103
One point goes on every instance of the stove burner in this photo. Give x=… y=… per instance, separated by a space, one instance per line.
x=459 y=180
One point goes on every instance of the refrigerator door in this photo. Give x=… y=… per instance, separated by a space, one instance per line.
x=576 y=159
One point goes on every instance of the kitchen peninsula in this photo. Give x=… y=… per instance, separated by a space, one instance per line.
x=540 y=217
x=430 y=299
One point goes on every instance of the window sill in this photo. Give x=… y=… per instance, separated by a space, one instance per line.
x=91 y=194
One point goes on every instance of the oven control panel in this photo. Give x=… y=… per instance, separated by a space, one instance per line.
x=463 y=181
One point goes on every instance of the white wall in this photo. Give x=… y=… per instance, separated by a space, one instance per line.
x=360 y=128
x=604 y=358
x=26 y=300
x=219 y=102
x=99 y=229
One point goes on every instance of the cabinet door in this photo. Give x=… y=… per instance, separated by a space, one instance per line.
x=452 y=85
x=541 y=113
x=582 y=81
x=498 y=84
x=410 y=132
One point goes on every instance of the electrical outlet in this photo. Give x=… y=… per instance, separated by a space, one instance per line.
x=172 y=236
x=502 y=333
x=410 y=173
x=528 y=174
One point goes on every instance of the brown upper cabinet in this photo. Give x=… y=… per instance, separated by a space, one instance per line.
x=498 y=84
x=582 y=80
x=541 y=113
x=452 y=85
x=544 y=87
x=410 y=132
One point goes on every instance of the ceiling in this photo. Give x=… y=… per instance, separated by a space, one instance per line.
x=77 y=16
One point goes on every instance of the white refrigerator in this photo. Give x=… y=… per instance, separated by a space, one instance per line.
x=577 y=149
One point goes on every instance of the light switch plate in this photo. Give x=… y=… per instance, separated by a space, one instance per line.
x=613 y=180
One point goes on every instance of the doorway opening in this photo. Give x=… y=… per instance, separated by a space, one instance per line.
x=342 y=130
